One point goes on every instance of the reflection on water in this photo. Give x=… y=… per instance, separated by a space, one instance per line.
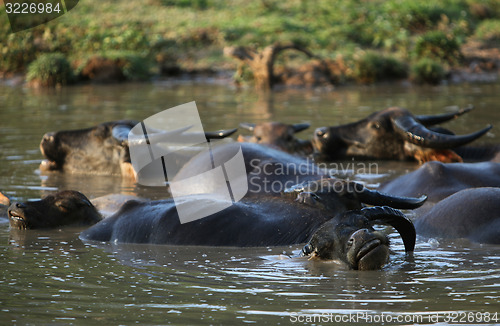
x=51 y=277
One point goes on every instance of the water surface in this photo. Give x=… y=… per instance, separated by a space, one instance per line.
x=52 y=278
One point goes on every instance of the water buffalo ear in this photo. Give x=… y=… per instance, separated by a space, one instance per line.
x=300 y=126
x=247 y=126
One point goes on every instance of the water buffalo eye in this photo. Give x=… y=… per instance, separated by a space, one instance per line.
x=62 y=207
x=376 y=125
x=350 y=242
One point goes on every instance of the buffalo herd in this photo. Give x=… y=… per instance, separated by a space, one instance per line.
x=291 y=198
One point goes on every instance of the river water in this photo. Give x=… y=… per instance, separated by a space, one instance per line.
x=50 y=277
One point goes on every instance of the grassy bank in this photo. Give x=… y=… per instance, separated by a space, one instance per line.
x=423 y=38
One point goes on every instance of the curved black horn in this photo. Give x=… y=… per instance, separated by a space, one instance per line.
x=247 y=126
x=220 y=134
x=416 y=133
x=376 y=198
x=397 y=220
x=430 y=120
x=300 y=126
x=157 y=137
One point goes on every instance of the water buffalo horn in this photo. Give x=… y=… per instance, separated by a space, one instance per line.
x=300 y=126
x=430 y=120
x=157 y=137
x=373 y=197
x=397 y=220
x=220 y=134
x=247 y=126
x=416 y=133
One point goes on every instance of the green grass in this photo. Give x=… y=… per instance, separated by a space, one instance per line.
x=488 y=30
x=190 y=34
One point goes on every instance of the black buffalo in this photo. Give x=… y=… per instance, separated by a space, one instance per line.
x=394 y=134
x=63 y=208
x=350 y=237
x=102 y=149
x=268 y=170
x=471 y=213
x=278 y=135
x=255 y=221
x=439 y=180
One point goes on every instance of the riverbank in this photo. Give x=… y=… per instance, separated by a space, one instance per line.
x=110 y=41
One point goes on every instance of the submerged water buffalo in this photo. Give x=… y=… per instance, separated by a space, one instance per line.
x=256 y=221
x=102 y=149
x=350 y=237
x=278 y=135
x=471 y=213
x=439 y=180
x=63 y=208
x=396 y=134
x=267 y=170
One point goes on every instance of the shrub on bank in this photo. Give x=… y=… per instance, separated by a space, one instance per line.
x=488 y=30
x=371 y=67
x=439 y=46
x=49 y=70
x=114 y=66
x=427 y=71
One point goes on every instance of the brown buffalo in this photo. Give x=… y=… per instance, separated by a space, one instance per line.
x=278 y=135
x=102 y=149
x=393 y=134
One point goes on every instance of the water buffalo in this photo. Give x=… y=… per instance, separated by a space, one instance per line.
x=253 y=221
x=396 y=134
x=471 y=213
x=102 y=149
x=350 y=237
x=439 y=180
x=63 y=208
x=268 y=170
x=278 y=135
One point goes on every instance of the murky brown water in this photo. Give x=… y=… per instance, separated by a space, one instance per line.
x=52 y=278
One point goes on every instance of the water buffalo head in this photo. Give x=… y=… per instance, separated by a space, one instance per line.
x=393 y=133
x=278 y=135
x=63 y=208
x=105 y=148
x=351 y=238
x=101 y=149
x=336 y=195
